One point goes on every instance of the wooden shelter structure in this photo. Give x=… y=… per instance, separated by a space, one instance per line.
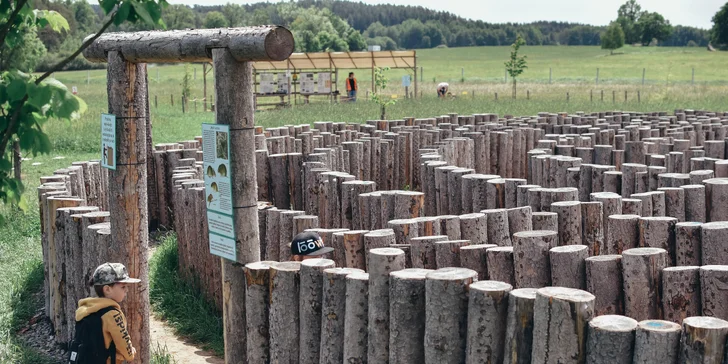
x=298 y=63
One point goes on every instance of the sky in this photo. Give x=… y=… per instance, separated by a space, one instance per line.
x=697 y=13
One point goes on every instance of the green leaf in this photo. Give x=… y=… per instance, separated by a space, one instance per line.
x=142 y=12
x=67 y=106
x=53 y=18
x=108 y=5
x=154 y=10
x=40 y=95
x=16 y=89
x=123 y=13
x=55 y=84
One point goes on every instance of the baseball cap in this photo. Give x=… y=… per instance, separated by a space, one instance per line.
x=309 y=243
x=110 y=273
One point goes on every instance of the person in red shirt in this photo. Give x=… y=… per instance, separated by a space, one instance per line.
x=351 y=87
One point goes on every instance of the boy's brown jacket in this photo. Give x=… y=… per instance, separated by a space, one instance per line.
x=113 y=326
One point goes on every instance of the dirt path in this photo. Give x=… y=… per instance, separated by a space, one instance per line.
x=182 y=351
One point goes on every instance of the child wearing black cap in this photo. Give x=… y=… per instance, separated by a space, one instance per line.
x=307 y=245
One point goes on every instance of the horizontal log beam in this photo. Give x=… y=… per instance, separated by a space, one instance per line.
x=260 y=43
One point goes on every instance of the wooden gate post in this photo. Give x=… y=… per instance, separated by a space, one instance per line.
x=127 y=92
x=233 y=92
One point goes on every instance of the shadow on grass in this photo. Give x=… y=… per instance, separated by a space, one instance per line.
x=180 y=303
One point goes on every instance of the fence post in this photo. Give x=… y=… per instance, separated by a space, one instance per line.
x=549 y=75
x=643 y=77
x=496 y=96
x=638 y=97
x=591 y=95
x=528 y=94
x=567 y=97
x=183 y=104
x=156 y=105
x=597 y=75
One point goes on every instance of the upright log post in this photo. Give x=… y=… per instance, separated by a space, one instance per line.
x=407 y=316
x=127 y=94
x=234 y=107
x=310 y=302
x=487 y=318
x=519 y=326
x=382 y=261
x=333 y=311
x=355 y=330
x=610 y=339
x=642 y=276
x=656 y=341
x=703 y=340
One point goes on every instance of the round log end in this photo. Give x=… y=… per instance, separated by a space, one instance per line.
x=659 y=326
x=491 y=286
x=569 y=248
x=525 y=293
x=535 y=234
x=705 y=322
x=644 y=251
x=286 y=266
x=342 y=271
x=452 y=274
x=566 y=294
x=379 y=233
x=411 y=273
x=318 y=263
x=386 y=252
x=613 y=323
x=717 y=225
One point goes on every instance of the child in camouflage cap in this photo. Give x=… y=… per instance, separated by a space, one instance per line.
x=110 y=284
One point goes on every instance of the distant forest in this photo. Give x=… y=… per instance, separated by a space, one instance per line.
x=332 y=25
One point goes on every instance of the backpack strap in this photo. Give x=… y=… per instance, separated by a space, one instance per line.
x=112 y=347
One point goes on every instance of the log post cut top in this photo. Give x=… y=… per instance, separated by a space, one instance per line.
x=260 y=43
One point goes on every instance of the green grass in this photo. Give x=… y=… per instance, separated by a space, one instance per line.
x=180 y=303
x=160 y=355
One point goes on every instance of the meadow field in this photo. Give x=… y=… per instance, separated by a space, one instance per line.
x=668 y=86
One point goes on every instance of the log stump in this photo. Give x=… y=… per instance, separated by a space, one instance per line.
x=498 y=229
x=604 y=280
x=407 y=315
x=656 y=341
x=487 y=321
x=518 y=342
x=714 y=245
x=423 y=251
x=623 y=233
x=569 y=214
x=659 y=232
x=560 y=325
x=500 y=264
x=333 y=311
x=382 y=262
x=545 y=221
x=703 y=340
x=642 y=276
x=310 y=302
x=714 y=291
x=531 y=257
x=284 y=312
x=474 y=227
x=475 y=257
x=446 y=314
x=568 y=266
x=611 y=339
x=680 y=293
x=355 y=318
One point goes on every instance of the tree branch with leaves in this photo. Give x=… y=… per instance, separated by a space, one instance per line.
x=28 y=102
x=380 y=80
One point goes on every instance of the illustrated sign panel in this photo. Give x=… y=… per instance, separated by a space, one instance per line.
x=108 y=141
x=406 y=81
x=307 y=83
x=283 y=82
x=218 y=189
x=324 y=82
x=267 y=83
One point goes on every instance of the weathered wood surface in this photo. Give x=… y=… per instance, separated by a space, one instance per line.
x=382 y=262
x=260 y=43
x=487 y=318
x=407 y=316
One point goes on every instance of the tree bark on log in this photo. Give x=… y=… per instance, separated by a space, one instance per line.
x=714 y=291
x=382 y=262
x=695 y=206
x=656 y=341
x=604 y=280
x=569 y=213
x=688 y=247
x=408 y=204
x=355 y=330
x=716 y=199
x=519 y=219
x=611 y=205
x=407 y=316
x=447 y=253
x=680 y=293
x=611 y=339
x=518 y=342
x=703 y=340
x=310 y=302
x=280 y=190
x=284 y=312
x=498 y=229
x=487 y=320
x=531 y=257
x=127 y=98
x=674 y=202
x=545 y=221
x=713 y=243
x=454 y=189
x=273 y=235
x=423 y=251
x=474 y=257
x=623 y=233
x=257 y=296
x=450 y=226
x=642 y=276
x=560 y=325
x=659 y=232
x=333 y=312
x=446 y=314
x=500 y=264
x=568 y=266
x=474 y=227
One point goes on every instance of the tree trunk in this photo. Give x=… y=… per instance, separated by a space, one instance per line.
x=498 y=229
x=604 y=280
x=355 y=330
x=310 y=301
x=382 y=262
x=703 y=340
x=570 y=227
x=474 y=257
x=447 y=253
x=446 y=314
x=611 y=340
x=568 y=267
x=407 y=316
x=531 y=257
x=623 y=233
x=518 y=341
x=423 y=251
x=257 y=296
x=642 y=276
x=560 y=325
x=714 y=292
x=500 y=264
x=284 y=312
x=333 y=311
x=656 y=341
x=680 y=293
x=713 y=243
x=127 y=99
x=487 y=318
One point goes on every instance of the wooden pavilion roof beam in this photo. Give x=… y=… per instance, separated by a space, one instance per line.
x=260 y=43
